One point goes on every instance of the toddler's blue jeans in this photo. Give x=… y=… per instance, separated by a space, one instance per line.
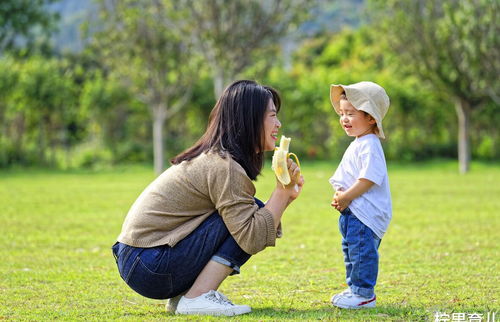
x=360 y=248
x=164 y=272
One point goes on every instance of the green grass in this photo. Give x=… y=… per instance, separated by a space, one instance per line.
x=440 y=254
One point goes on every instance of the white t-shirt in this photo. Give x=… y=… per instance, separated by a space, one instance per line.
x=364 y=158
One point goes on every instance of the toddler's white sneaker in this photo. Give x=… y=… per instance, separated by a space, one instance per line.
x=349 y=300
x=210 y=303
x=344 y=292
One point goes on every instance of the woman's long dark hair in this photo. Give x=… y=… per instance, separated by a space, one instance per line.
x=235 y=126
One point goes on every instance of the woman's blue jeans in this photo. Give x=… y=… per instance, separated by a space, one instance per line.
x=164 y=272
x=360 y=248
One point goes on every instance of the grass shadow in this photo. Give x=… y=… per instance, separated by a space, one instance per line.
x=326 y=313
x=380 y=313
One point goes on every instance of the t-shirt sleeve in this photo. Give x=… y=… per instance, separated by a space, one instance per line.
x=232 y=193
x=372 y=167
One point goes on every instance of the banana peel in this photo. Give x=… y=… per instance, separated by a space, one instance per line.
x=279 y=162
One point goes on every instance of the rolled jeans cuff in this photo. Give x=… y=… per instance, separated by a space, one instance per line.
x=361 y=291
x=223 y=261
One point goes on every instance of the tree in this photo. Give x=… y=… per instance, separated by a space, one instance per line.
x=9 y=76
x=21 y=19
x=141 y=45
x=37 y=109
x=106 y=103
x=454 y=45
x=45 y=95
x=417 y=123
x=231 y=35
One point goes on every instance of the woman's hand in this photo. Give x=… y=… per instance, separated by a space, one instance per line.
x=282 y=196
x=296 y=188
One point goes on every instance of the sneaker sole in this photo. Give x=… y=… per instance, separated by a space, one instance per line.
x=214 y=313
x=366 y=306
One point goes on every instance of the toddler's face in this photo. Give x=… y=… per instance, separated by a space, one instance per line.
x=355 y=123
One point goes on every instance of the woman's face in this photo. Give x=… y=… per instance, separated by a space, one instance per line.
x=271 y=126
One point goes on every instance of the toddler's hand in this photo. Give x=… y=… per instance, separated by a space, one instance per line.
x=338 y=202
x=334 y=203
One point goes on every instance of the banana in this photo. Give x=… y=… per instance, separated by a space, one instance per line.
x=279 y=164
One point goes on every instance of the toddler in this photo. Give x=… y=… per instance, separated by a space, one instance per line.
x=361 y=186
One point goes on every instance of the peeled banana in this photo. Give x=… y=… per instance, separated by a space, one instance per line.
x=279 y=164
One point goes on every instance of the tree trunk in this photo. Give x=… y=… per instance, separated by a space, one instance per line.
x=41 y=142
x=159 y=116
x=18 y=133
x=463 y=110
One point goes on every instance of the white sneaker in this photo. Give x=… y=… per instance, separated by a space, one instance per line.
x=344 y=292
x=210 y=303
x=349 y=300
x=172 y=303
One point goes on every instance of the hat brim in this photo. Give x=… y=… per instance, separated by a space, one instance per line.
x=335 y=92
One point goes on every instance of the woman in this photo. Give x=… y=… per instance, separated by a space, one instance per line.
x=198 y=222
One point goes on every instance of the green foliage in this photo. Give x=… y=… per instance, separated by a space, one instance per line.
x=240 y=35
x=92 y=156
x=305 y=115
x=143 y=47
x=38 y=109
x=110 y=109
x=58 y=227
x=484 y=137
x=23 y=21
x=454 y=44
x=418 y=121
x=57 y=111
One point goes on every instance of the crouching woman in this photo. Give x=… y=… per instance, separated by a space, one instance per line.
x=199 y=222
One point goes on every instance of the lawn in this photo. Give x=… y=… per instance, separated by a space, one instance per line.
x=440 y=254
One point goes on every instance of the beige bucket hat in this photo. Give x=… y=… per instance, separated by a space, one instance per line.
x=364 y=96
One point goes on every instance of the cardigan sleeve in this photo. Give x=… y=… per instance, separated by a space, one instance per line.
x=232 y=193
